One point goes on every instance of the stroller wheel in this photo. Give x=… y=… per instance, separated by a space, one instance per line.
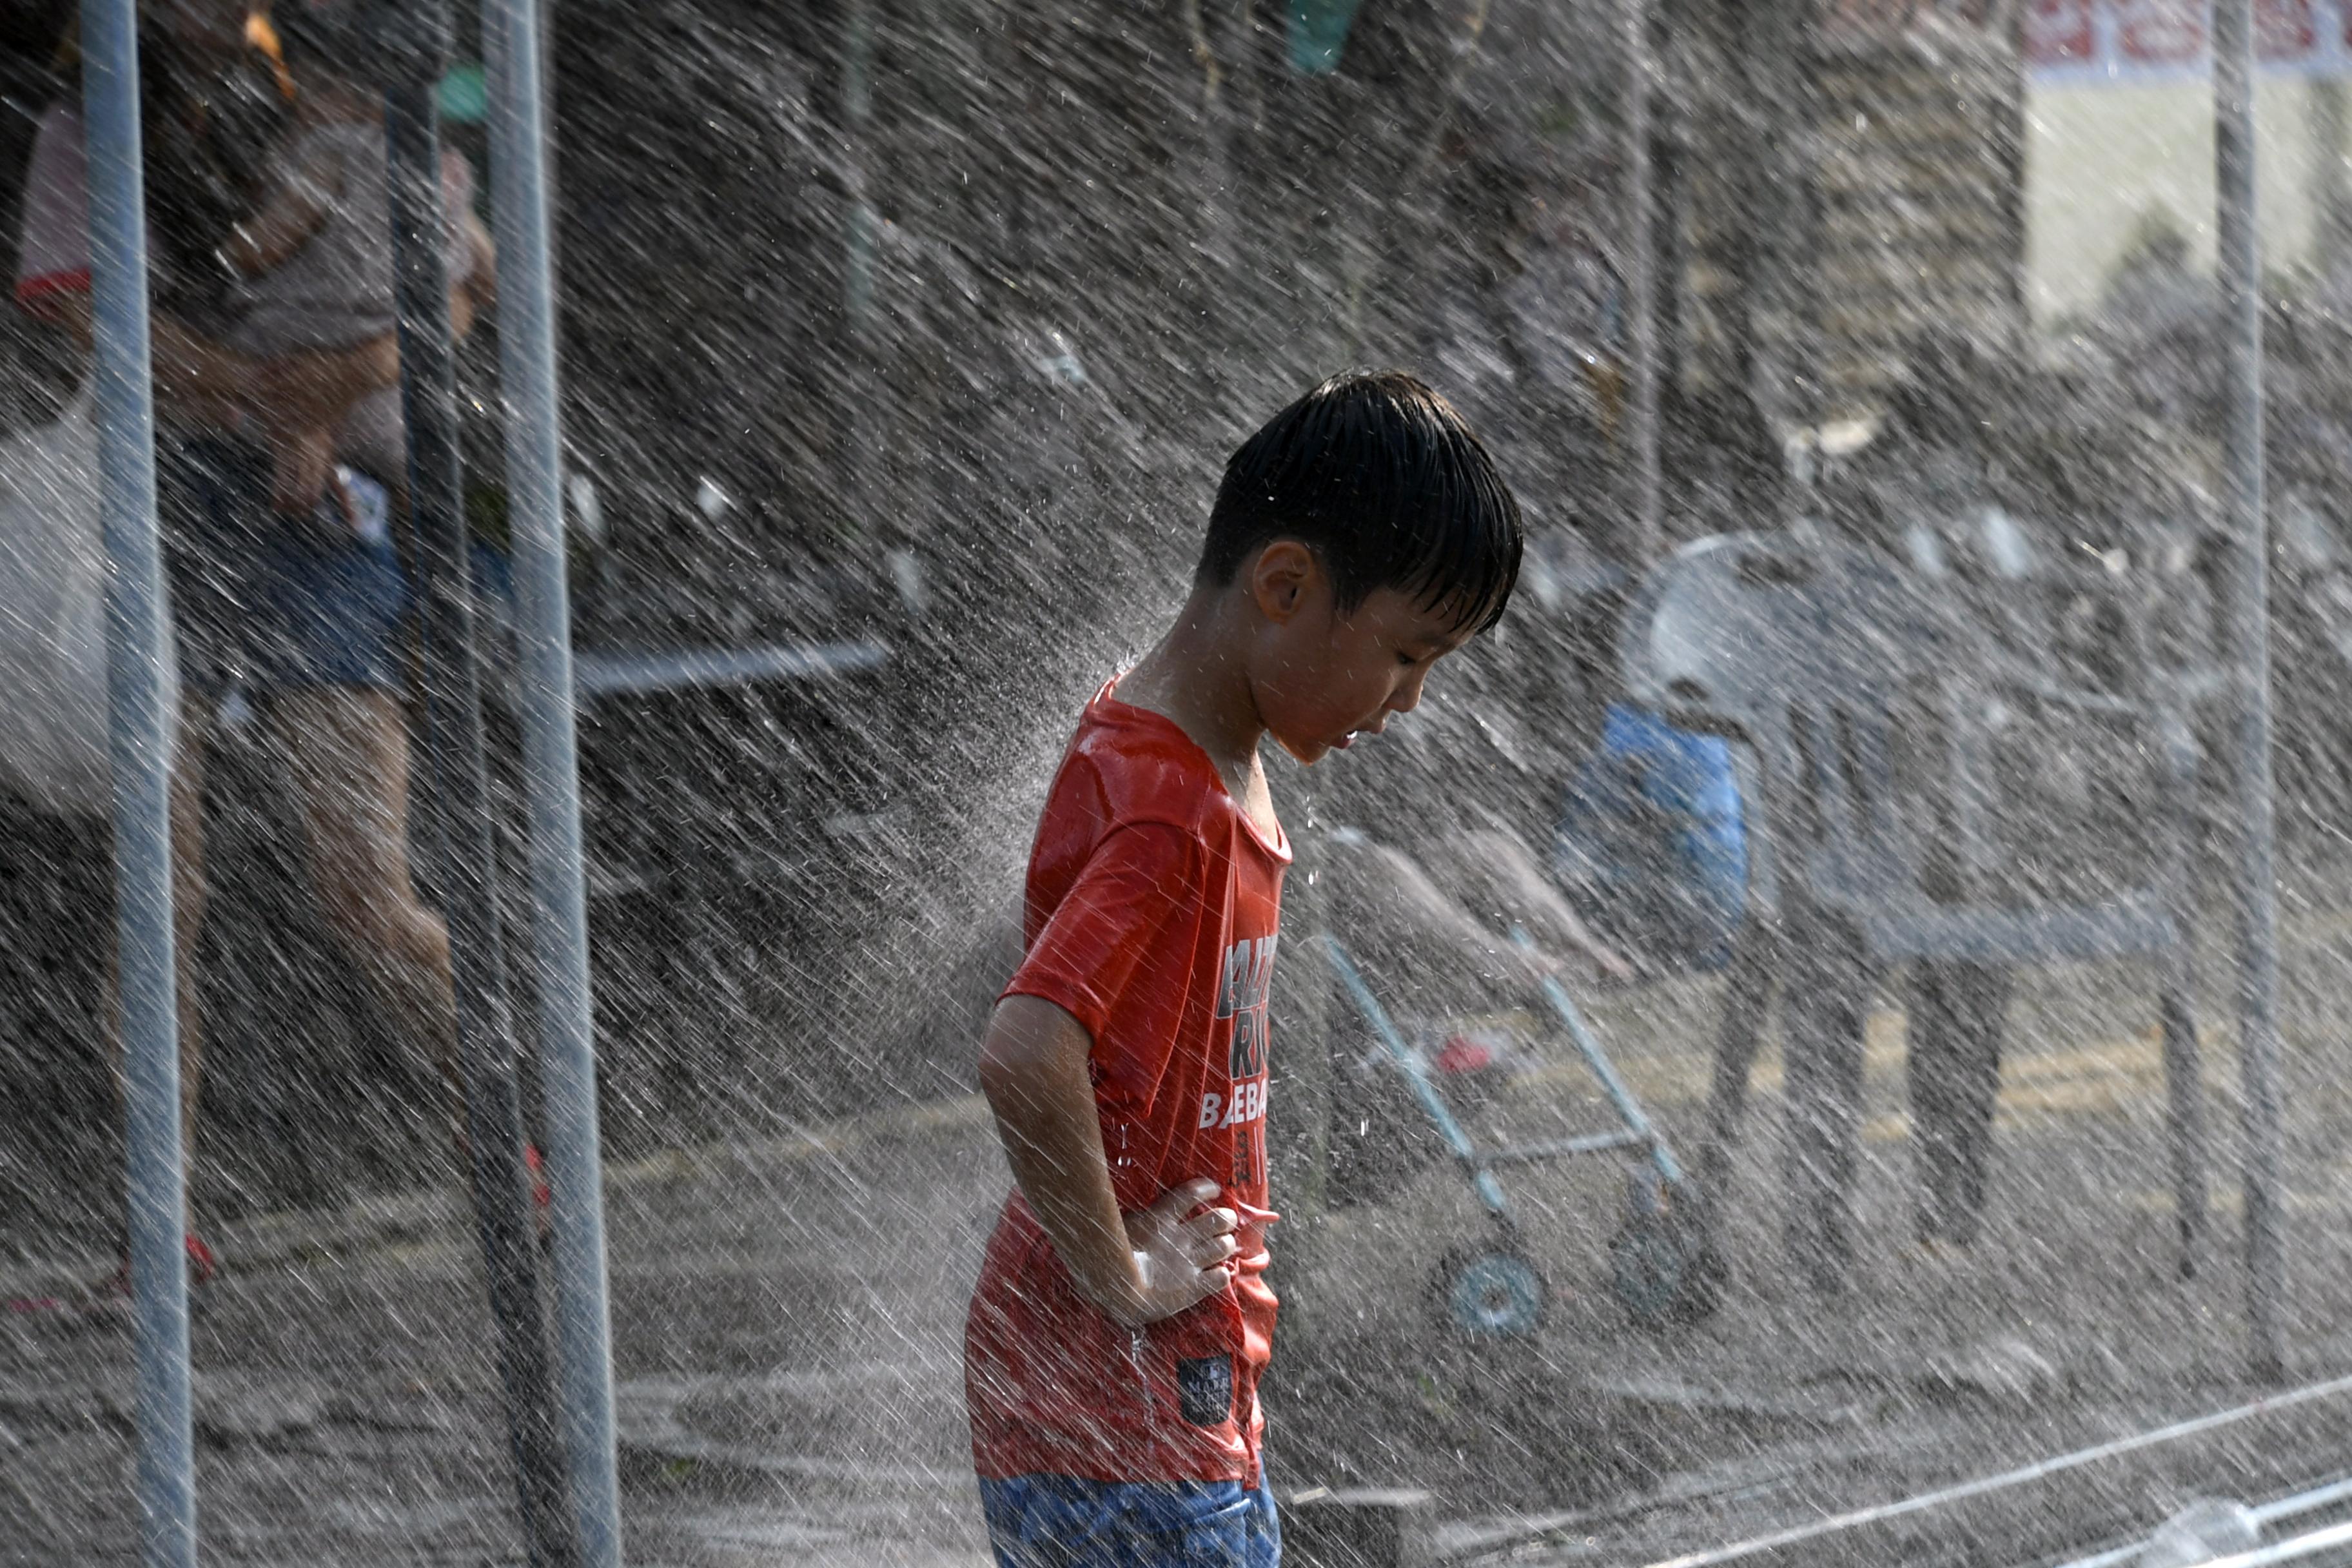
x=1488 y=1293
x=1665 y=1269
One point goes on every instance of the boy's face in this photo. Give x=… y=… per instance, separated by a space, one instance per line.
x=1322 y=677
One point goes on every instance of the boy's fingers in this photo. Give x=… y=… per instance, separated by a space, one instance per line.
x=1208 y=1251
x=1212 y=1277
x=1179 y=1201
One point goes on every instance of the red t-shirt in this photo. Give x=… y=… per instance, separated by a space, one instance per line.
x=1152 y=907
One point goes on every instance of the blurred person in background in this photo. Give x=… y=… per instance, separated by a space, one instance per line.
x=279 y=579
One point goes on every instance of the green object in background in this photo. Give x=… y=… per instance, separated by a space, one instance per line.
x=1318 y=31
x=486 y=521
x=464 y=97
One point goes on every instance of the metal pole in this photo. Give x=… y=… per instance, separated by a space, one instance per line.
x=1640 y=293
x=1416 y=1075
x=856 y=118
x=854 y=469
x=2257 y=890
x=460 y=764
x=1771 y=50
x=139 y=748
x=550 y=764
x=1629 y=1109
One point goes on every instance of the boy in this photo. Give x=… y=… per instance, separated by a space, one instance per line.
x=1121 y=1321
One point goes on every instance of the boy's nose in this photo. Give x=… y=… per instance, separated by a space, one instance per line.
x=1407 y=696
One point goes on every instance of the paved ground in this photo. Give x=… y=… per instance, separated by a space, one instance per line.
x=786 y=1336
x=784 y=1327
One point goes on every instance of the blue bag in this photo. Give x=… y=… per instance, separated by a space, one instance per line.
x=1653 y=845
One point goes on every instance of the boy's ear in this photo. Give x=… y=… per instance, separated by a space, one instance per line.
x=1282 y=578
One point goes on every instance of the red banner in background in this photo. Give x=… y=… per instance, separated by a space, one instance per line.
x=2061 y=32
x=2119 y=40
x=2284 y=29
x=2160 y=32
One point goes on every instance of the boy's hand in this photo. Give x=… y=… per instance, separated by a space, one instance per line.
x=1138 y=1268
x=1180 y=1256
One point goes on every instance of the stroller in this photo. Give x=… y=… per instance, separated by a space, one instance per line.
x=1664 y=1265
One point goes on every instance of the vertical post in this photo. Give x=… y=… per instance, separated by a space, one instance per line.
x=415 y=44
x=2184 y=1073
x=2249 y=622
x=139 y=749
x=2330 y=113
x=1641 y=295
x=551 y=763
x=854 y=466
x=856 y=117
x=1774 y=50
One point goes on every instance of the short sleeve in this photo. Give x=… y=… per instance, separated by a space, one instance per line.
x=1129 y=893
x=53 y=243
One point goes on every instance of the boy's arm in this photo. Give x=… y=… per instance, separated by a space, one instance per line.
x=1137 y=1268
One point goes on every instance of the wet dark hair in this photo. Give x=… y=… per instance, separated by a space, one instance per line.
x=1381 y=479
x=313 y=40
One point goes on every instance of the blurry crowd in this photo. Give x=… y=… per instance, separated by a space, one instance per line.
x=2104 y=445
x=930 y=328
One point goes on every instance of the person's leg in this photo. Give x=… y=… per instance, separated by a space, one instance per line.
x=1037 y=1522
x=1060 y=1521
x=188 y=896
x=1937 y=1075
x=1976 y=998
x=107 y=1297
x=347 y=755
x=1264 y=1529
x=1824 y=1011
x=327 y=613
x=1738 y=1040
x=1197 y=1524
x=198 y=516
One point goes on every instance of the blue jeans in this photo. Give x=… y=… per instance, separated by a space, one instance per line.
x=279 y=603
x=1058 y=1522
